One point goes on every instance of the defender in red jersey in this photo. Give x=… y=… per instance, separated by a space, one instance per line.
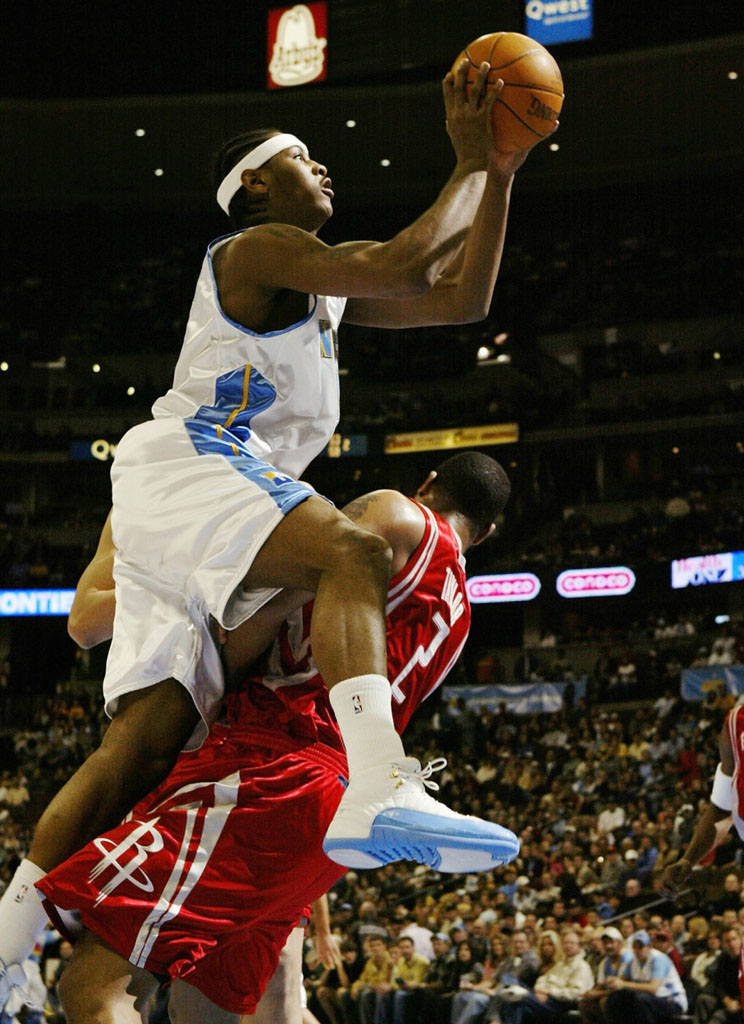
x=213 y=870
x=726 y=808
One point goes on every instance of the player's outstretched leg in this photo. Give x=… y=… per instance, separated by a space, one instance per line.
x=386 y=814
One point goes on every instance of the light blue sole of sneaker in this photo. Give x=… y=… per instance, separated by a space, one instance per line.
x=391 y=840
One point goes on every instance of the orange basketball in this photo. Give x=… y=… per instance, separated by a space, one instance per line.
x=532 y=97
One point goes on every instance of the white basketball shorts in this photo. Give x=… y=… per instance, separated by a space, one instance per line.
x=192 y=507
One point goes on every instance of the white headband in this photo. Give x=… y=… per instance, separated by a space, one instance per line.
x=251 y=162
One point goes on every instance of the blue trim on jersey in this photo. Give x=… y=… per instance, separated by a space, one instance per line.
x=209 y=439
x=230 y=393
x=234 y=323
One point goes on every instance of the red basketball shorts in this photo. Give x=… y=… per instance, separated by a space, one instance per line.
x=207 y=878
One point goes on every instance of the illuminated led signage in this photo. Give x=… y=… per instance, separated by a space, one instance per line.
x=726 y=567
x=512 y=586
x=35 y=602
x=610 y=582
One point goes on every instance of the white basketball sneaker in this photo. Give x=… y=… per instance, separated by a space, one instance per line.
x=386 y=814
x=11 y=976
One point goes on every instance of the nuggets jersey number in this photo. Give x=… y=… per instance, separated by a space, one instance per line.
x=735 y=727
x=428 y=619
x=278 y=393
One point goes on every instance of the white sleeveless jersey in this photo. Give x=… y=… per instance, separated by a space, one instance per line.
x=277 y=392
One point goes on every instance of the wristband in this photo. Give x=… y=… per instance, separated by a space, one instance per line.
x=722 y=793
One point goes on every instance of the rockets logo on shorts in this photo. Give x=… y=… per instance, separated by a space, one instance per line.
x=356 y=701
x=126 y=870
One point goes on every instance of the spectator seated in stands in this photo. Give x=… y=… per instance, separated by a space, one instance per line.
x=503 y=968
x=374 y=983
x=556 y=991
x=407 y=978
x=720 y=1000
x=440 y=981
x=591 y=1004
x=699 y=973
x=333 y=990
x=648 y=989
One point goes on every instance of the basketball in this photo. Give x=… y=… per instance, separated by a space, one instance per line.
x=532 y=97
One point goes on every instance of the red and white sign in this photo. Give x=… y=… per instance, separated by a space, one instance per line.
x=296 y=40
x=610 y=582
x=512 y=586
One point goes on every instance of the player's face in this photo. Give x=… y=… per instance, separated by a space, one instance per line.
x=303 y=192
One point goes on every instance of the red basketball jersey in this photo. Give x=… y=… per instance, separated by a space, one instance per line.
x=428 y=619
x=212 y=870
x=735 y=726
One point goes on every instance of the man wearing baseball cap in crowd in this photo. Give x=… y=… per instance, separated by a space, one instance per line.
x=646 y=990
x=591 y=1004
x=440 y=980
x=663 y=940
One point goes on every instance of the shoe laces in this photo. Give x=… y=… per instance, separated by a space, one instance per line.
x=423 y=775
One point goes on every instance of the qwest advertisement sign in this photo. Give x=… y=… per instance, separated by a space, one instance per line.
x=512 y=586
x=613 y=581
x=726 y=567
x=35 y=602
x=100 y=449
x=558 y=21
x=296 y=39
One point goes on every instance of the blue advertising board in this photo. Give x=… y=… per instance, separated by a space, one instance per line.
x=558 y=21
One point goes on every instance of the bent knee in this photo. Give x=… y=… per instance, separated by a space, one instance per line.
x=364 y=551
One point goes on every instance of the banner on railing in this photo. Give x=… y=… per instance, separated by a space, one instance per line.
x=697 y=683
x=524 y=699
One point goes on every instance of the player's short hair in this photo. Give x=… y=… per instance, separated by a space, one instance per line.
x=475 y=485
x=242 y=208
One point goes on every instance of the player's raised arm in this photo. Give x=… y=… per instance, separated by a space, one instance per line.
x=464 y=291
x=284 y=253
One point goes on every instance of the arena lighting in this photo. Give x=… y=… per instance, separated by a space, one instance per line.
x=4 y=366
x=139 y=132
x=484 y=352
x=35 y=602
x=351 y=123
x=385 y=162
x=612 y=581
x=725 y=567
x=512 y=586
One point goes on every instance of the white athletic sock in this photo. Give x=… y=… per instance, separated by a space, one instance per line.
x=22 y=916
x=364 y=712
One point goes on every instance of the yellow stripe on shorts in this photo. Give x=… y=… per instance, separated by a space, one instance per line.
x=244 y=403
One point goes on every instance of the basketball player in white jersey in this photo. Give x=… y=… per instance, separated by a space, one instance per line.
x=208 y=517
x=206 y=879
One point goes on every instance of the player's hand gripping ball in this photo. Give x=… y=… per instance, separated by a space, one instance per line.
x=527 y=109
